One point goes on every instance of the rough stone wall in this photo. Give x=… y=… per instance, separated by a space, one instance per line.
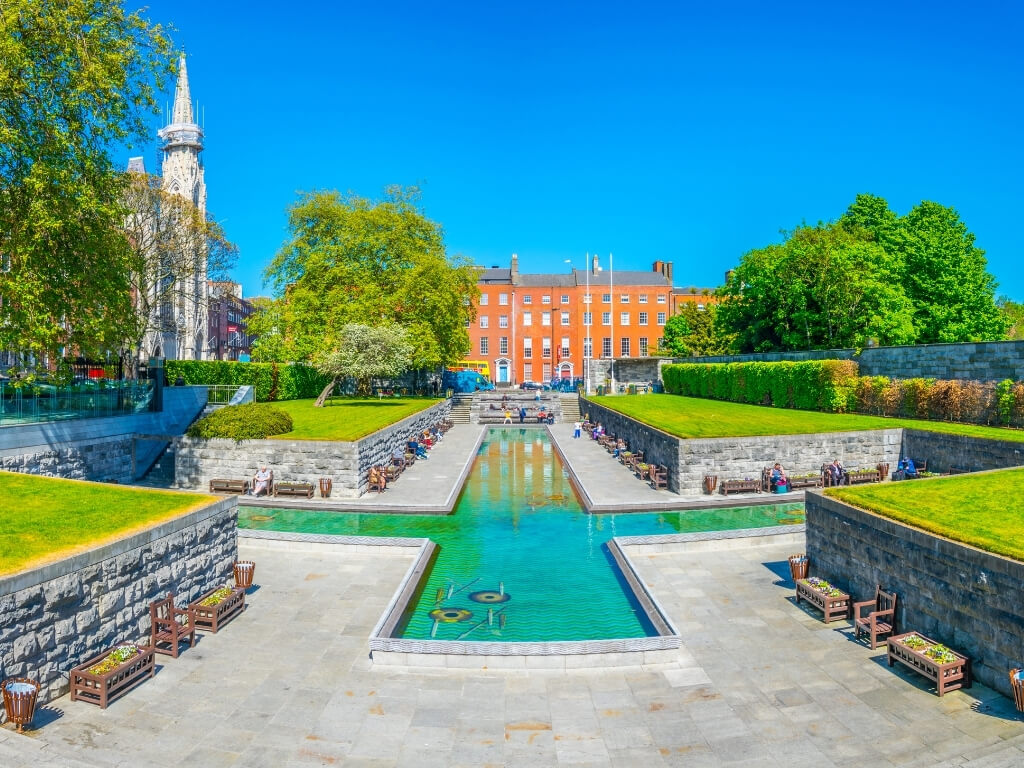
x=951 y=593
x=61 y=615
x=972 y=454
x=107 y=460
x=742 y=457
x=197 y=461
x=982 y=361
x=377 y=448
x=735 y=458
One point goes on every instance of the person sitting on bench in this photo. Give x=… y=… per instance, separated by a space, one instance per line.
x=780 y=483
x=261 y=482
x=541 y=415
x=838 y=475
x=907 y=467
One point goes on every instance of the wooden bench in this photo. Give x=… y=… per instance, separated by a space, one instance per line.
x=294 y=489
x=804 y=482
x=740 y=486
x=947 y=676
x=859 y=476
x=958 y=471
x=835 y=606
x=169 y=626
x=224 y=485
x=881 y=620
x=659 y=477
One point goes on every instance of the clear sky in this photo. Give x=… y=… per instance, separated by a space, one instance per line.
x=690 y=132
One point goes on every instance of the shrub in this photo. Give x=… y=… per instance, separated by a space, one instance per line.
x=243 y=422
x=272 y=381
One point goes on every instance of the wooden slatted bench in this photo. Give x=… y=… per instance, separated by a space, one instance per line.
x=804 y=482
x=834 y=606
x=740 y=486
x=859 y=476
x=224 y=485
x=294 y=489
x=947 y=676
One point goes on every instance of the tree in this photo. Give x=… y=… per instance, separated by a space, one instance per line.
x=1013 y=316
x=363 y=353
x=947 y=278
x=352 y=260
x=170 y=243
x=76 y=78
x=826 y=286
x=265 y=324
x=693 y=332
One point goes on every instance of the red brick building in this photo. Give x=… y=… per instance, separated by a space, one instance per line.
x=534 y=327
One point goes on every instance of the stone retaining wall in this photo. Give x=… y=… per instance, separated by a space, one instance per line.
x=983 y=361
x=198 y=460
x=58 y=616
x=952 y=593
x=943 y=451
x=105 y=459
x=733 y=458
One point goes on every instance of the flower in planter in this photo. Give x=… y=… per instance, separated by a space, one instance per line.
x=914 y=642
x=217 y=597
x=824 y=587
x=940 y=654
x=114 y=659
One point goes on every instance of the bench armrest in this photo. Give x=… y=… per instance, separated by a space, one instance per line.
x=857 y=607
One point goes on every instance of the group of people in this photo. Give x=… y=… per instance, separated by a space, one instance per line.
x=543 y=416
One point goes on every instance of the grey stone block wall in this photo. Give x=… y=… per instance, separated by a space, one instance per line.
x=982 y=361
x=972 y=454
x=197 y=461
x=742 y=457
x=104 y=459
x=61 y=615
x=954 y=594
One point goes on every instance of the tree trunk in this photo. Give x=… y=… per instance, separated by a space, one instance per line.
x=325 y=394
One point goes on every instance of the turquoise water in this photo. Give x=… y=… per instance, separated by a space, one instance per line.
x=520 y=544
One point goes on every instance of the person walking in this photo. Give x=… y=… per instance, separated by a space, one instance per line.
x=522 y=414
x=576 y=427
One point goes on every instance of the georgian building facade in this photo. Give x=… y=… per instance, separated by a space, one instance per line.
x=535 y=327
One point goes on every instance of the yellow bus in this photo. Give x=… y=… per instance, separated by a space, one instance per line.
x=480 y=366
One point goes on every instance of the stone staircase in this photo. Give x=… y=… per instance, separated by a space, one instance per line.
x=461 y=407
x=570 y=407
x=488 y=407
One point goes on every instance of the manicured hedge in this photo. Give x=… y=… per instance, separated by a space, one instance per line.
x=833 y=386
x=273 y=381
x=243 y=422
x=814 y=385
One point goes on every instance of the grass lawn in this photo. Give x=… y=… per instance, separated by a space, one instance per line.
x=695 y=417
x=347 y=419
x=981 y=510
x=44 y=519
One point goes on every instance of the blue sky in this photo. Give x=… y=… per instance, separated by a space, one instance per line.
x=677 y=131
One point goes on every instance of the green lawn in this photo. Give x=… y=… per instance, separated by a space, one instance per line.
x=45 y=519
x=981 y=510
x=348 y=418
x=695 y=417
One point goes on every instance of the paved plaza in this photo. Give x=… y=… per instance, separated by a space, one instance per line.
x=758 y=682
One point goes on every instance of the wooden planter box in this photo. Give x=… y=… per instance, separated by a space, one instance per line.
x=105 y=688
x=211 y=617
x=833 y=607
x=947 y=677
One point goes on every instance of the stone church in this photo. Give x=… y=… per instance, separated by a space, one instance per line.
x=180 y=331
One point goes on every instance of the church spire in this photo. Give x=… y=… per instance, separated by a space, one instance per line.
x=182 y=96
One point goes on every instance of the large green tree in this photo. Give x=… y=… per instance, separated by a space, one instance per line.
x=941 y=270
x=77 y=77
x=693 y=331
x=826 y=286
x=349 y=259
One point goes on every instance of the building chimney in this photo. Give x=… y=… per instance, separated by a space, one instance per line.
x=514 y=270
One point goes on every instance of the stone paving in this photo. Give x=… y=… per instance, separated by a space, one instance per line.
x=428 y=486
x=758 y=682
x=609 y=486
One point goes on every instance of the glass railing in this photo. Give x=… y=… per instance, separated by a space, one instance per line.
x=36 y=402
